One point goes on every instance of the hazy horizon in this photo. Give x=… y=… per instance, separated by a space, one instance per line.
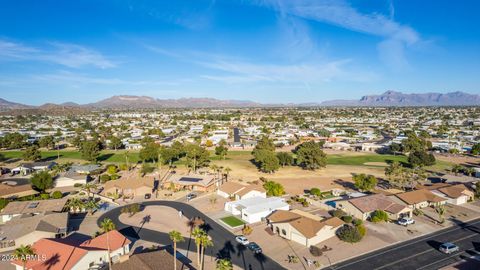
x=270 y=51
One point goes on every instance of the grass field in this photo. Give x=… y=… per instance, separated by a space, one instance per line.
x=110 y=156
x=232 y=221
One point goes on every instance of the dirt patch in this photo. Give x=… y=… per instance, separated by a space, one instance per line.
x=380 y=164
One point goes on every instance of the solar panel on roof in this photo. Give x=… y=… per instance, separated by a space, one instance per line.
x=190 y=179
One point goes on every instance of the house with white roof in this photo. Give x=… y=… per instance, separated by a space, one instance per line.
x=255 y=209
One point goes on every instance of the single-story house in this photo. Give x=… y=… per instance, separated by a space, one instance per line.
x=70 y=178
x=240 y=192
x=18 y=208
x=59 y=254
x=421 y=198
x=363 y=207
x=455 y=194
x=26 y=229
x=130 y=188
x=254 y=209
x=202 y=183
x=302 y=227
x=27 y=168
x=151 y=260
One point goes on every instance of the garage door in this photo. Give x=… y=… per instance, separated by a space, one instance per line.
x=299 y=238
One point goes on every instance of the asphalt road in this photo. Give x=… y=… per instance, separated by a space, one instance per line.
x=224 y=244
x=422 y=253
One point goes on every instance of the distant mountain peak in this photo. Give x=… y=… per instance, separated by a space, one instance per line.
x=395 y=98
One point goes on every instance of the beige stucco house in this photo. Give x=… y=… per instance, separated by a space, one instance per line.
x=421 y=198
x=455 y=194
x=238 y=191
x=129 y=188
x=363 y=207
x=302 y=227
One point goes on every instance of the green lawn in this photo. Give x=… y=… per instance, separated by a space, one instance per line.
x=110 y=156
x=232 y=221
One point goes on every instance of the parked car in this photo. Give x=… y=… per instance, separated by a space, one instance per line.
x=191 y=196
x=448 y=248
x=254 y=248
x=242 y=240
x=406 y=221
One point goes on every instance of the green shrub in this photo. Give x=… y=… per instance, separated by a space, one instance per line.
x=3 y=203
x=105 y=178
x=112 y=169
x=57 y=194
x=347 y=219
x=349 y=234
x=357 y=222
x=316 y=192
x=77 y=185
x=338 y=213
x=114 y=176
x=379 y=216
x=123 y=167
x=362 y=230
x=44 y=196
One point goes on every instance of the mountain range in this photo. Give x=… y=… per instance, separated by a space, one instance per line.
x=122 y=102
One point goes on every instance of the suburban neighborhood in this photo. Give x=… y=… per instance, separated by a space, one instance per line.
x=302 y=194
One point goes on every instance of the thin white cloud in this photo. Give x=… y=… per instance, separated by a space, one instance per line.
x=65 y=54
x=66 y=77
x=396 y=36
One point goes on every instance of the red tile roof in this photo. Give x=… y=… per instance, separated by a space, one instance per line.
x=53 y=255
x=58 y=254
x=116 y=240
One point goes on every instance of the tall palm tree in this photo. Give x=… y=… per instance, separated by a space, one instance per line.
x=23 y=252
x=197 y=235
x=224 y=264
x=107 y=225
x=206 y=242
x=226 y=172
x=176 y=237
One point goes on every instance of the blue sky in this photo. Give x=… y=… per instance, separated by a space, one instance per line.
x=266 y=51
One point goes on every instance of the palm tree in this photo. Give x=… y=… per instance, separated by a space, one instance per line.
x=176 y=237
x=75 y=204
x=107 y=225
x=23 y=252
x=214 y=168
x=224 y=264
x=206 y=242
x=226 y=172
x=91 y=205
x=440 y=209
x=89 y=187
x=197 y=235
